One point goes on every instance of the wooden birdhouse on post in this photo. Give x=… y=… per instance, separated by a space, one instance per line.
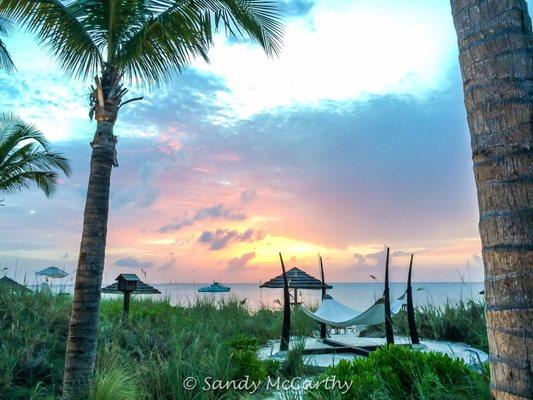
x=128 y=284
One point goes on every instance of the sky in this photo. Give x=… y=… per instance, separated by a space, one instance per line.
x=353 y=139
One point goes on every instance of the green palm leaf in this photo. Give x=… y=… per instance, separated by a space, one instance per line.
x=59 y=31
x=6 y=63
x=26 y=158
x=148 y=41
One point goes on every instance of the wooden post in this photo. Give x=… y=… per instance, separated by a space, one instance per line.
x=323 y=327
x=295 y=297
x=126 y=307
x=410 y=307
x=386 y=297
x=286 y=326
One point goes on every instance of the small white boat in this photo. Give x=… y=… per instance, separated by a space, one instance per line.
x=216 y=287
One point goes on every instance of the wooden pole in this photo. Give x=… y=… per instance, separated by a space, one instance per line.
x=386 y=298
x=286 y=325
x=126 y=307
x=410 y=307
x=323 y=327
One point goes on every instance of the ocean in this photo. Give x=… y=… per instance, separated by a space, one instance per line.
x=358 y=296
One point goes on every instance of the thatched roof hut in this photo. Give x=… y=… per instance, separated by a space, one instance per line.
x=10 y=284
x=298 y=279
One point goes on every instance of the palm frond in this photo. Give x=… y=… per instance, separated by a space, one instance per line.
x=177 y=31
x=166 y=43
x=110 y=22
x=6 y=62
x=26 y=158
x=45 y=180
x=57 y=28
x=259 y=20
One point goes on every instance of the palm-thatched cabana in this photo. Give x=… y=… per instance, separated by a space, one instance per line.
x=10 y=284
x=297 y=279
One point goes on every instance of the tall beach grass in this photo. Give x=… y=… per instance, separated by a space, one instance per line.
x=150 y=355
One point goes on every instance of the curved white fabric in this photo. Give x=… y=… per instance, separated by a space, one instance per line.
x=337 y=315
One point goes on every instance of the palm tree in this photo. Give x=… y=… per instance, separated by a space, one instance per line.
x=25 y=155
x=495 y=52
x=26 y=158
x=117 y=42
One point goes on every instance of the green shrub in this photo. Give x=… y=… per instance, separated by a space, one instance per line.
x=398 y=373
x=293 y=365
x=244 y=359
x=272 y=367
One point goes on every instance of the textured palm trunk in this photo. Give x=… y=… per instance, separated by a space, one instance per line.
x=83 y=327
x=495 y=52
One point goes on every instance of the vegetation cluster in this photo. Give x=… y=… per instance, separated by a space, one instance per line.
x=149 y=355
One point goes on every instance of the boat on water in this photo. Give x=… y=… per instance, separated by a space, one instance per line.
x=216 y=287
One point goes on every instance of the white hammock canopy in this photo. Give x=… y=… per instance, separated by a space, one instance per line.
x=337 y=315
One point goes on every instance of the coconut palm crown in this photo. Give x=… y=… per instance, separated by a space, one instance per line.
x=144 y=41
x=26 y=158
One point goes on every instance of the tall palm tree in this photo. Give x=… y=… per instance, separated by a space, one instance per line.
x=495 y=52
x=26 y=158
x=145 y=42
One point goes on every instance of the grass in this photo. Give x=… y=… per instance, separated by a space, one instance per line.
x=150 y=355
x=463 y=321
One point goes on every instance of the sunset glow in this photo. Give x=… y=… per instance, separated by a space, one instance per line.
x=235 y=161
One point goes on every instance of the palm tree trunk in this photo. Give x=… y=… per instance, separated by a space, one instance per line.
x=83 y=327
x=495 y=52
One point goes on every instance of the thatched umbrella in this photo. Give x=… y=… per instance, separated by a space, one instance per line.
x=10 y=284
x=52 y=272
x=297 y=279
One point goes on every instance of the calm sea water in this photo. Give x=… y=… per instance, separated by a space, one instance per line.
x=358 y=296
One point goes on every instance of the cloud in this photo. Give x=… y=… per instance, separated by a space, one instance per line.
x=168 y=265
x=222 y=237
x=240 y=263
x=374 y=260
x=142 y=190
x=216 y=212
x=132 y=262
x=248 y=195
x=422 y=49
